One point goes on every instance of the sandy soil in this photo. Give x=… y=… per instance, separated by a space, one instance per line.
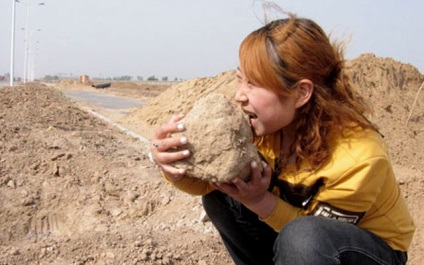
x=74 y=189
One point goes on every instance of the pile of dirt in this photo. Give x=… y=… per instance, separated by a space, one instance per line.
x=177 y=99
x=75 y=190
x=392 y=87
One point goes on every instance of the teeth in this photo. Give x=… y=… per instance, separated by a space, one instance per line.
x=251 y=115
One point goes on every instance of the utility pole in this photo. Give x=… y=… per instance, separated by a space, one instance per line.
x=12 y=45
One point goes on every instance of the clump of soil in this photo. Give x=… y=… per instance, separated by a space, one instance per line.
x=220 y=140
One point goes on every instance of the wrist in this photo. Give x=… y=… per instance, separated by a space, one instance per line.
x=264 y=207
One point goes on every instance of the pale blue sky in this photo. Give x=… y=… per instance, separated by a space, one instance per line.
x=190 y=38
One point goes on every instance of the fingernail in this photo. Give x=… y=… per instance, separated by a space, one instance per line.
x=254 y=164
x=183 y=140
x=180 y=126
x=181 y=171
x=186 y=152
x=264 y=164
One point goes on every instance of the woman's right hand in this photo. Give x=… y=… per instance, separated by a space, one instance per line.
x=163 y=148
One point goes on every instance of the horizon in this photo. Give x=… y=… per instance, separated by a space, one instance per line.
x=187 y=39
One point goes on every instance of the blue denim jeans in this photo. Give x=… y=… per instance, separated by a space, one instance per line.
x=306 y=240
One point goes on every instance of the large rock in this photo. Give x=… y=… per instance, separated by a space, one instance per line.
x=220 y=140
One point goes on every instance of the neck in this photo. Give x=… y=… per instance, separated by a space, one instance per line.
x=288 y=138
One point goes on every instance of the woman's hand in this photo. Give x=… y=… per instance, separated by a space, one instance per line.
x=253 y=194
x=162 y=145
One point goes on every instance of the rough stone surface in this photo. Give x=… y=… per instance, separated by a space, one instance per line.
x=220 y=140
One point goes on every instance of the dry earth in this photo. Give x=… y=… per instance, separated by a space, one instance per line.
x=220 y=141
x=74 y=189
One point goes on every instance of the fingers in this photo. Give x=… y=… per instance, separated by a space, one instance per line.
x=256 y=172
x=163 y=158
x=162 y=140
x=259 y=176
x=267 y=170
x=164 y=147
x=171 y=126
x=160 y=145
x=226 y=187
x=173 y=174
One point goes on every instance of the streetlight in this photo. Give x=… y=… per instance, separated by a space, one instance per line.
x=28 y=53
x=12 y=44
x=34 y=55
x=12 y=41
x=33 y=52
x=27 y=42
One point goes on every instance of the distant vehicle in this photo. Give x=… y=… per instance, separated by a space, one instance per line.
x=104 y=85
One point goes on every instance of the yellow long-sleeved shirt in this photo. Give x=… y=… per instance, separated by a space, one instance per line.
x=358 y=186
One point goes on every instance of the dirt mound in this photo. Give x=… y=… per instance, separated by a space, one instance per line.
x=74 y=190
x=391 y=87
x=179 y=98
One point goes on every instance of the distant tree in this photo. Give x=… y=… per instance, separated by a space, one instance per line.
x=122 y=78
x=126 y=78
x=139 y=78
x=51 y=77
x=165 y=78
x=152 y=78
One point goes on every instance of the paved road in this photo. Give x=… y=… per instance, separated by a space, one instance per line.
x=102 y=100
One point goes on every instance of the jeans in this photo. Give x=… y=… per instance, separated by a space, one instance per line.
x=305 y=240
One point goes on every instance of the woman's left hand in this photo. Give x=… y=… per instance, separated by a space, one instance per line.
x=251 y=192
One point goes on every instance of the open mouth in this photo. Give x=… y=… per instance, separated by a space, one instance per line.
x=252 y=117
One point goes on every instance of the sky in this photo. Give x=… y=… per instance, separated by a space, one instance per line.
x=186 y=39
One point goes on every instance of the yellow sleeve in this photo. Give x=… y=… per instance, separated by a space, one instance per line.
x=191 y=186
x=282 y=214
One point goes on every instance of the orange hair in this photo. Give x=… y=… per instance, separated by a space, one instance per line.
x=283 y=52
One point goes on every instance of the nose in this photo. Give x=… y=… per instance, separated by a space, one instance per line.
x=241 y=95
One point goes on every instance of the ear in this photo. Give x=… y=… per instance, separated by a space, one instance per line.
x=305 y=88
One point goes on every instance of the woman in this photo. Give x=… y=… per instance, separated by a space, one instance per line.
x=327 y=193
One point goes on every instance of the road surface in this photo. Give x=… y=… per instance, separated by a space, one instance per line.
x=102 y=100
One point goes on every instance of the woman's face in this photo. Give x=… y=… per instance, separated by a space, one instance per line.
x=268 y=111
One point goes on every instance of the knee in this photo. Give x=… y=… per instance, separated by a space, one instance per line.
x=214 y=203
x=307 y=240
x=300 y=235
x=210 y=200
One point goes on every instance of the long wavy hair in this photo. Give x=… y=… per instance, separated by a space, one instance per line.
x=283 y=52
